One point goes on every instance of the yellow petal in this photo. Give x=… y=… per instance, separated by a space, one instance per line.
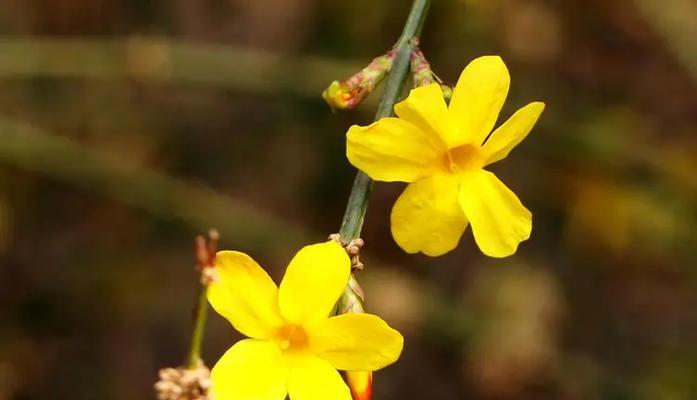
x=312 y=378
x=425 y=108
x=356 y=342
x=477 y=99
x=392 y=149
x=245 y=295
x=499 y=221
x=252 y=369
x=512 y=132
x=427 y=216
x=314 y=280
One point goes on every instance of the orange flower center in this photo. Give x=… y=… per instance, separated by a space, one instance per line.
x=292 y=338
x=463 y=158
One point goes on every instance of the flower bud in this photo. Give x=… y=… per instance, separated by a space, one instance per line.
x=361 y=384
x=420 y=68
x=423 y=75
x=447 y=92
x=350 y=93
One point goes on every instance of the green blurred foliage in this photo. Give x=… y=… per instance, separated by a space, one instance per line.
x=127 y=127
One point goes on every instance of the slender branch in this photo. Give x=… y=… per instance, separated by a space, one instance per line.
x=358 y=199
x=205 y=250
x=352 y=298
x=193 y=360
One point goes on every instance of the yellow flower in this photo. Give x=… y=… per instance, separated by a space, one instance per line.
x=295 y=346
x=441 y=151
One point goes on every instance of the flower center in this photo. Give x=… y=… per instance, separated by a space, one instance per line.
x=291 y=338
x=463 y=158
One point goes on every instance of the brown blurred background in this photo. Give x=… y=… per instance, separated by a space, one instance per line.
x=127 y=127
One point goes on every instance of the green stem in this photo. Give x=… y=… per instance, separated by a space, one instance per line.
x=358 y=199
x=352 y=223
x=193 y=360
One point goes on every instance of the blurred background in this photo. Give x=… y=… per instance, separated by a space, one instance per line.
x=127 y=127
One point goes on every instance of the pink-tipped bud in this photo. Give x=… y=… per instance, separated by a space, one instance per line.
x=342 y=96
x=422 y=73
x=420 y=68
x=361 y=384
x=350 y=93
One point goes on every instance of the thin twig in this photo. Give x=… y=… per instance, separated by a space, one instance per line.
x=358 y=199
x=360 y=192
x=205 y=249
x=193 y=359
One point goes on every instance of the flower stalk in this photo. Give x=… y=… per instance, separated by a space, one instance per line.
x=205 y=250
x=193 y=359
x=192 y=381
